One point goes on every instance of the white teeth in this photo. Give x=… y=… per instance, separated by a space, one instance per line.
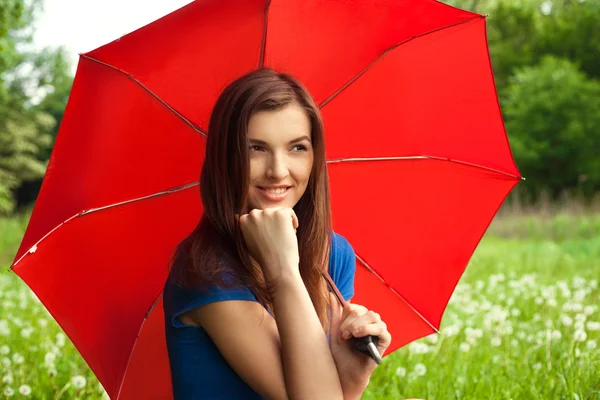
x=275 y=191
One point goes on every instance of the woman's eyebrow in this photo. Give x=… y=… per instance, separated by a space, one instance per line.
x=301 y=138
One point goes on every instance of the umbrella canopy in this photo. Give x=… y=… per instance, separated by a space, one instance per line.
x=418 y=161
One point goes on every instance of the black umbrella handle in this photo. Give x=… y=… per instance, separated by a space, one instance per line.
x=367 y=344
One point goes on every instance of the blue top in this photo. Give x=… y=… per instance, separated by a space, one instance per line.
x=198 y=371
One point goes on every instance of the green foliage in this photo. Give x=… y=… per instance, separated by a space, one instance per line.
x=552 y=116
x=26 y=129
x=543 y=54
x=572 y=31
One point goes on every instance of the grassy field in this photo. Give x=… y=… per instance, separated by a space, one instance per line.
x=524 y=323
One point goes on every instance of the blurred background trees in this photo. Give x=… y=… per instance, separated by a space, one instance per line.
x=34 y=87
x=546 y=60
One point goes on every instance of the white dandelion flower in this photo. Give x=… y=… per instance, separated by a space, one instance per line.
x=5 y=362
x=433 y=339
x=496 y=359
x=552 y=302
x=537 y=366
x=580 y=335
x=475 y=333
x=25 y=390
x=43 y=322
x=451 y=330
x=566 y=320
x=401 y=372
x=580 y=317
x=78 y=382
x=580 y=295
x=4 y=350
x=592 y=326
x=52 y=372
x=579 y=325
x=539 y=300
x=496 y=341
x=591 y=344
x=515 y=312
x=578 y=282
x=8 y=392
x=418 y=348
x=556 y=335
x=60 y=339
x=17 y=358
x=7 y=379
x=4 y=329
x=577 y=307
x=464 y=347
x=26 y=332
x=420 y=369
x=514 y=343
x=589 y=310
x=49 y=359
x=577 y=353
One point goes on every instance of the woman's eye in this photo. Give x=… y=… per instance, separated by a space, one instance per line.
x=301 y=147
x=258 y=148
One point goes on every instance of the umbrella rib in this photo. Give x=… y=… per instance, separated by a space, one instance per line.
x=263 y=43
x=33 y=248
x=396 y=293
x=154 y=303
x=134 y=79
x=359 y=159
x=389 y=50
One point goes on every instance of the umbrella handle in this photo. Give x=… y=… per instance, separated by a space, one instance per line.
x=368 y=345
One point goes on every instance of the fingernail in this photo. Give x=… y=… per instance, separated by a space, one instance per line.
x=346 y=335
x=355 y=332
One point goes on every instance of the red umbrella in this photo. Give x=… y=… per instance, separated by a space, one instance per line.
x=419 y=163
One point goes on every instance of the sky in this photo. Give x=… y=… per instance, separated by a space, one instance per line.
x=83 y=25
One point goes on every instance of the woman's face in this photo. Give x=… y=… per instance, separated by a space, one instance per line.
x=281 y=155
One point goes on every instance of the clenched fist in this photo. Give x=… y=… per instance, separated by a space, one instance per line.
x=270 y=236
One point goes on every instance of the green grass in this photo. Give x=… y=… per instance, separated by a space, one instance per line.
x=524 y=323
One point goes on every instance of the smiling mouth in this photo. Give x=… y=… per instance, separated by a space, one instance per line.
x=275 y=191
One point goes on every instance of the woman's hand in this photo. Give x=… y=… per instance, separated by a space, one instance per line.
x=354 y=367
x=270 y=236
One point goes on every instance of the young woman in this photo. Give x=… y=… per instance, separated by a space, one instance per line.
x=247 y=313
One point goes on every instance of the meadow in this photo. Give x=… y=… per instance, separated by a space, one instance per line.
x=523 y=323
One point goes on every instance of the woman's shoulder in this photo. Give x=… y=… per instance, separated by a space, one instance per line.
x=341 y=243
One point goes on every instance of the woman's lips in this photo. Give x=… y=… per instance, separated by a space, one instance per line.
x=273 y=196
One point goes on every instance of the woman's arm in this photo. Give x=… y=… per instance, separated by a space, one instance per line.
x=310 y=371
x=283 y=358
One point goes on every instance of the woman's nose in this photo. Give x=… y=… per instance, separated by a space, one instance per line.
x=277 y=168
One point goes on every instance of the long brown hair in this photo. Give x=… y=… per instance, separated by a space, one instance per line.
x=216 y=245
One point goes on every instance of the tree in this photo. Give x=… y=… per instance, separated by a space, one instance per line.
x=26 y=129
x=552 y=115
